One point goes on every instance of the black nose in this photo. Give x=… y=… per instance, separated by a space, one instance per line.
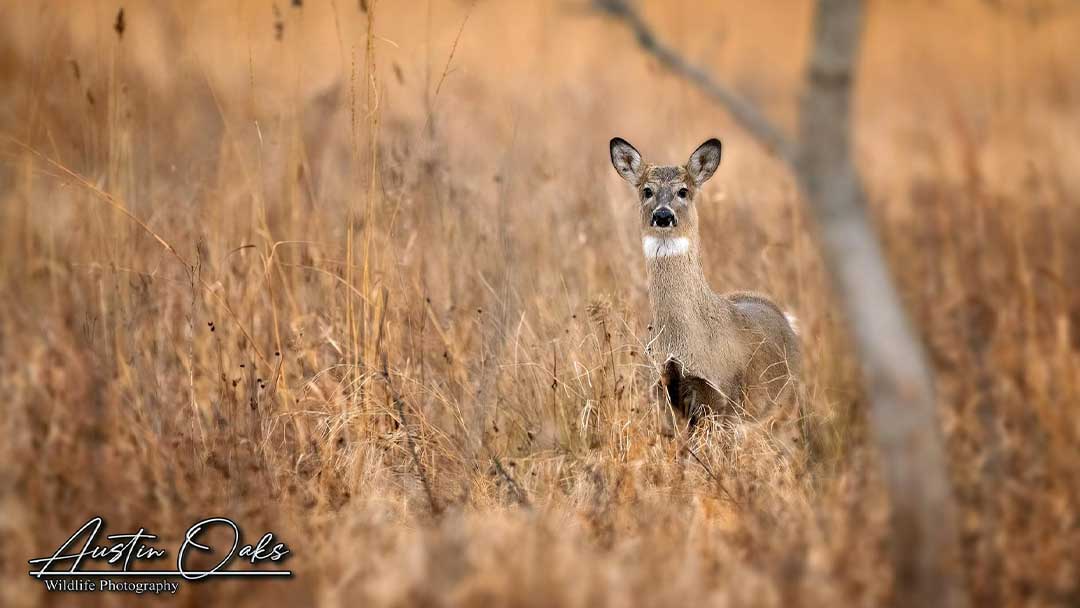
x=664 y=218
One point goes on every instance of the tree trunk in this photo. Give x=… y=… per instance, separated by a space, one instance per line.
x=903 y=419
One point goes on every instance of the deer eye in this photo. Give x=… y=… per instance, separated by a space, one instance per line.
x=647 y=192
x=683 y=192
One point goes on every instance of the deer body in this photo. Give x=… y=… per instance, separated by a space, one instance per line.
x=731 y=353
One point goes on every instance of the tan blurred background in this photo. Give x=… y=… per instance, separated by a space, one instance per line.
x=382 y=203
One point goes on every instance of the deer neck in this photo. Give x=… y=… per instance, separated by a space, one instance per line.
x=677 y=285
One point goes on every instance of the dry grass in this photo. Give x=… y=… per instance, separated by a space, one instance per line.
x=387 y=302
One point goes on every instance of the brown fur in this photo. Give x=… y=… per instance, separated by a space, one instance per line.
x=730 y=354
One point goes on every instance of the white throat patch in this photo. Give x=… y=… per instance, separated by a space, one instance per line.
x=662 y=247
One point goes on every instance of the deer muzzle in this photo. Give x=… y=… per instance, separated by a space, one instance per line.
x=664 y=217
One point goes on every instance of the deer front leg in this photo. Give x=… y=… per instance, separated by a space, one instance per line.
x=669 y=398
x=664 y=410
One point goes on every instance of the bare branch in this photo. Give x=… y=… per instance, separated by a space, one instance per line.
x=744 y=113
x=421 y=472
x=519 y=494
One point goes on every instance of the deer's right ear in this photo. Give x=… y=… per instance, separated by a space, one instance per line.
x=626 y=160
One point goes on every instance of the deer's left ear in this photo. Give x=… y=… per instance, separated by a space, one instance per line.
x=704 y=161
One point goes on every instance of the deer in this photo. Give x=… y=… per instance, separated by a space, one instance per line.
x=726 y=354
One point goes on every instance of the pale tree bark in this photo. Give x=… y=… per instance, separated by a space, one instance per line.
x=903 y=421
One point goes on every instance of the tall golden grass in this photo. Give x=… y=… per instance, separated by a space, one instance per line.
x=361 y=274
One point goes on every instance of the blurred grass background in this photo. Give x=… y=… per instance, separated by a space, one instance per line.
x=360 y=273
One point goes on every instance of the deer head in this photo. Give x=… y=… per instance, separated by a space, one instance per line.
x=666 y=193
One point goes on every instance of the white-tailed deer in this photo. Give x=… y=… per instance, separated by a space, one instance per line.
x=735 y=353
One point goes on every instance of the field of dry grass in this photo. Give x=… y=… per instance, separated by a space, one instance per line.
x=368 y=280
